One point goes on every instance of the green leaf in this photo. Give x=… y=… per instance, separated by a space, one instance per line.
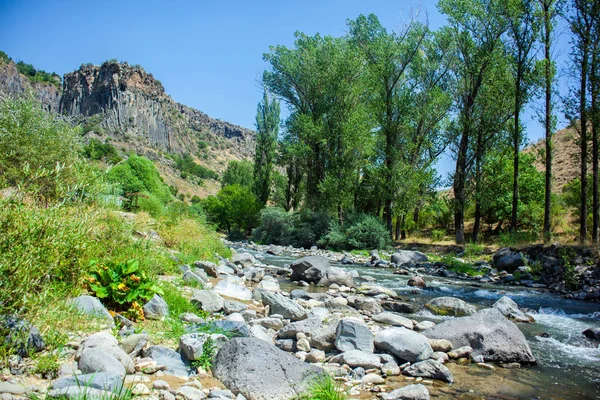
x=130 y=267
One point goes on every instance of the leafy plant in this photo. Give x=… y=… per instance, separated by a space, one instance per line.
x=47 y=366
x=208 y=354
x=437 y=235
x=324 y=388
x=123 y=284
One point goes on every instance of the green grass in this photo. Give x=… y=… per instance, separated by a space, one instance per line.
x=459 y=266
x=509 y=239
x=364 y=253
x=324 y=388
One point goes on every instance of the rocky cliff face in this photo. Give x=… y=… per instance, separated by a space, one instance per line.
x=12 y=82
x=132 y=105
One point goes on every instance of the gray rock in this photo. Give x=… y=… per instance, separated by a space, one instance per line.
x=261 y=333
x=76 y=392
x=129 y=343
x=191 y=345
x=368 y=304
x=509 y=262
x=358 y=358
x=243 y=259
x=221 y=393
x=207 y=300
x=288 y=345
x=404 y=344
x=231 y=306
x=461 y=352
x=21 y=336
x=91 y=306
x=209 y=267
x=440 y=345
x=156 y=308
x=324 y=339
x=371 y=289
x=269 y=323
x=489 y=333
x=317 y=270
x=280 y=304
x=309 y=326
x=393 y=319
x=353 y=335
x=402 y=257
x=189 y=276
x=511 y=310
x=98 y=360
x=260 y=371
x=429 y=369
x=410 y=392
x=13 y=388
x=274 y=250
x=100 y=380
x=269 y=285
x=399 y=307
x=232 y=290
x=108 y=344
x=254 y=274
x=191 y=393
x=421 y=326
x=175 y=363
x=450 y=306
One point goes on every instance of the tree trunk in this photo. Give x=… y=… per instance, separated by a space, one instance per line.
x=459 y=185
x=595 y=120
x=478 y=161
x=398 y=228
x=516 y=142
x=548 y=122
x=584 y=143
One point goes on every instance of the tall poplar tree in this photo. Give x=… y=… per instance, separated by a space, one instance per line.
x=267 y=130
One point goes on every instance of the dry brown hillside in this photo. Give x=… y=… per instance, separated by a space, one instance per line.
x=566 y=163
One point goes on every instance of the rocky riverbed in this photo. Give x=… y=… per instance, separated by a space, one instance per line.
x=282 y=317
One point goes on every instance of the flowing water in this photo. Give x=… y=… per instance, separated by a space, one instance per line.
x=568 y=363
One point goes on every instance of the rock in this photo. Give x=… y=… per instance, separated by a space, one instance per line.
x=368 y=304
x=592 y=333
x=191 y=345
x=372 y=379
x=91 y=306
x=288 y=345
x=440 y=357
x=450 y=306
x=511 y=310
x=310 y=327
x=324 y=339
x=429 y=369
x=358 y=358
x=317 y=270
x=410 y=392
x=235 y=327
x=402 y=257
x=108 y=345
x=508 y=262
x=353 y=335
x=189 y=276
x=243 y=259
x=254 y=274
x=270 y=323
x=274 y=250
x=12 y=388
x=393 y=319
x=261 y=333
x=489 y=333
x=269 y=285
x=440 y=345
x=421 y=326
x=404 y=344
x=209 y=267
x=260 y=371
x=302 y=344
x=129 y=343
x=282 y=305
x=76 y=392
x=139 y=389
x=461 y=352
x=417 y=281
x=191 y=393
x=207 y=300
x=98 y=360
x=399 y=307
x=231 y=306
x=175 y=363
x=315 y=356
x=370 y=289
x=156 y=308
x=232 y=290
x=21 y=336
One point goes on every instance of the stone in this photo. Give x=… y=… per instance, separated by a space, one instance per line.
x=191 y=345
x=96 y=360
x=315 y=356
x=280 y=304
x=303 y=344
x=399 y=307
x=21 y=335
x=129 y=343
x=288 y=345
x=461 y=352
x=450 y=306
x=410 y=392
x=509 y=262
x=440 y=357
x=90 y=305
x=317 y=270
x=12 y=388
x=269 y=285
x=232 y=290
x=417 y=281
x=207 y=300
x=440 y=345
x=489 y=333
x=274 y=250
x=156 y=308
x=394 y=319
x=261 y=371
x=404 y=344
x=353 y=335
x=402 y=257
x=368 y=304
x=254 y=274
x=310 y=327
x=371 y=289
x=243 y=259
x=261 y=333
x=192 y=277
x=221 y=393
x=429 y=369
x=358 y=358
x=191 y=393
x=372 y=379
x=324 y=339
x=511 y=310
x=210 y=268
x=421 y=326
x=270 y=323
x=108 y=344
x=139 y=389
x=76 y=392
x=175 y=363
x=592 y=333
x=231 y=306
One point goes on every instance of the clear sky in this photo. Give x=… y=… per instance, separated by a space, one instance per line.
x=207 y=54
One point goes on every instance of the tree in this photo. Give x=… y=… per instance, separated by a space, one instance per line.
x=595 y=118
x=548 y=15
x=476 y=27
x=267 y=130
x=238 y=173
x=522 y=35
x=233 y=207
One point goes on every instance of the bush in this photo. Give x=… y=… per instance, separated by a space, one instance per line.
x=509 y=239
x=234 y=207
x=239 y=173
x=96 y=150
x=437 y=235
x=361 y=232
x=188 y=166
x=275 y=227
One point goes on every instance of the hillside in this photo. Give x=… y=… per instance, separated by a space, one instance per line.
x=128 y=106
x=566 y=165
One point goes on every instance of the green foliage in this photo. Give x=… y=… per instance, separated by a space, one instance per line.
x=360 y=232
x=324 y=387
x=4 y=57
x=38 y=75
x=474 y=249
x=47 y=366
x=238 y=173
x=188 y=166
x=208 y=354
x=437 y=235
x=276 y=226
x=96 y=150
x=267 y=127
x=123 y=286
x=234 y=207
x=460 y=267
x=511 y=239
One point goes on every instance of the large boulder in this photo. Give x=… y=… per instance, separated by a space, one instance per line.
x=450 y=306
x=394 y=319
x=505 y=259
x=207 y=300
x=102 y=345
x=352 y=334
x=404 y=344
x=490 y=335
x=511 y=310
x=410 y=392
x=99 y=360
x=243 y=259
x=317 y=270
x=260 y=371
x=279 y=304
x=324 y=339
x=402 y=257
x=232 y=290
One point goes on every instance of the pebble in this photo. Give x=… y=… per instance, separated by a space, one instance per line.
x=486 y=366
x=372 y=379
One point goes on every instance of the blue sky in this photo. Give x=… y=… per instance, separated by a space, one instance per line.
x=208 y=55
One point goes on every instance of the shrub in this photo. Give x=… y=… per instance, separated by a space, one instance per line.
x=96 y=150
x=188 y=166
x=437 y=235
x=151 y=205
x=335 y=238
x=123 y=286
x=275 y=227
x=234 y=207
x=368 y=233
x=238 y=173
x=474 y=249
x=509 y=239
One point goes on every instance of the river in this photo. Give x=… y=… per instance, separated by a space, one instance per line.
x=568 y=363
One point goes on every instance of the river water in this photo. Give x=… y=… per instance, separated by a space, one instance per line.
x=568 y=363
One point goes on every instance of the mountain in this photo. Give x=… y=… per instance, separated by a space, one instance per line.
x=128 y=106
